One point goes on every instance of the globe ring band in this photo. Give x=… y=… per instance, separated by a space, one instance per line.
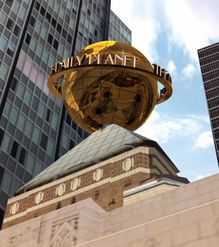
x=168 y=89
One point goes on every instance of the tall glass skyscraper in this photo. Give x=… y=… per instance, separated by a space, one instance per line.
x=209 y=62
x=118 y=30
x=35 y=128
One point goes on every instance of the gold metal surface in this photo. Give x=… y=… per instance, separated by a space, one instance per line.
x=109 y=82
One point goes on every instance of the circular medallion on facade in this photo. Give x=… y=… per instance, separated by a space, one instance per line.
x=127 y=164
x=75 y=183
x=60 y=190
x=97 y=175
x=39 y=197
x=14 y=208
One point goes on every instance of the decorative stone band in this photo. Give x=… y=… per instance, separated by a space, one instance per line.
x=121 y=166
x=79 y=191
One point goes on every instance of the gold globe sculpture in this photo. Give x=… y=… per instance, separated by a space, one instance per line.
x=109 y=82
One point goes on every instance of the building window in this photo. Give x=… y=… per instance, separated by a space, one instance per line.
x=32 y=21
x=9 y=3
x=90 y=41
x=64 y=33
x=48 y=114
x=43 y=141
x=55 y=44
x=37 y=5
x=2 y=173
x=14 y=149
x=71 y=144
x=1 y=217
x=1 y=136
x=10 y=52
x=88 y=12
x=68 y=119
x=69 y=39
x=9 y=24
x=53 y=22
x=28 y=38
x=16 y=30
x=22 y=156
x=50 y=38
x=48 y=17
x=42 y=11
x=59 y=28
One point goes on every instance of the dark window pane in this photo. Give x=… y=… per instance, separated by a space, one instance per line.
x=50 y=38
x=16 y=30
x=9 y=3
x=27 y=39
x=42 y=11
x=48 y=114
x=1 y=217
x=1 y=137
x=14 y=149
x=1 y=173
x=90 y=41
x=64 y=33
x=43 y=141
x=68 y=119
x=69 y=39
x=48 y=17
x=53 y=22
x=73 y=125
x=37 y=5
x=22 y=156
x=13 y=83
x=71 y=144
x=59 y=28
x=80 y=131
x=55 y=44
x=3 y=198
x=32 y=21
x=10 y=52
x=9 y=24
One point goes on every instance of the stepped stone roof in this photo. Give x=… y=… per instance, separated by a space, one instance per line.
x=99 y=146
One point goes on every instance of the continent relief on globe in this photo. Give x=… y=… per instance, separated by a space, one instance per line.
x=109 y=82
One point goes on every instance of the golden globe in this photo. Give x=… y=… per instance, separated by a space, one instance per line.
x=110 y=82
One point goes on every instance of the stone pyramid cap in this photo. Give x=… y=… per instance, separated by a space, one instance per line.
x=99 y=146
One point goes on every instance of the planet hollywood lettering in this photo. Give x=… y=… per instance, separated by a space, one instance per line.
x=104 y=59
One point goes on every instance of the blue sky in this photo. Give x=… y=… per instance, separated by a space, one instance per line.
x=169 y=33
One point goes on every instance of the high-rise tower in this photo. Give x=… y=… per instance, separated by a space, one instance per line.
x=209 y=62
x=35 y=128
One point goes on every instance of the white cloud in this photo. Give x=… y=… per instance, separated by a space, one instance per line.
x=204 y=140
x=189 y=71
x=162 y=128
x=188 y=24
x=171 y=67
x=193 y=25
x=141 y=17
